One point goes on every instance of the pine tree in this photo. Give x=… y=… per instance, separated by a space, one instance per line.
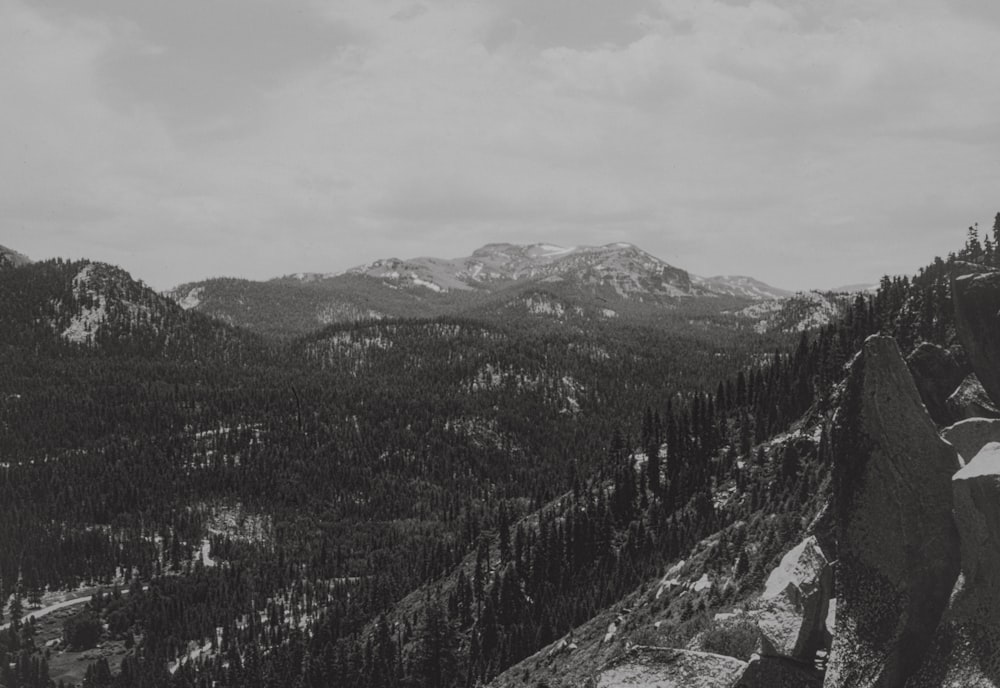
x=433 y=662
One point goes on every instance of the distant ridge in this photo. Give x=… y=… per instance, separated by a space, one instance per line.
x=741 y=285
x=498 y=281
x=853 y=288
x=9 y=256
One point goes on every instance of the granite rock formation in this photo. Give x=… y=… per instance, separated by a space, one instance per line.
x=971 y=435
x=657 y=667
x=970 y=400
x=966 y=648
x=791 y=614
x=897 y=542
x=937 y=373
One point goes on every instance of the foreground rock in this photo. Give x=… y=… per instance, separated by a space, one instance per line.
x=936 y=373
x=977 y=321
x=966 y=649
x=791 y=614
x=970 y=400
x=970 y=436
x=778 y=672
x=897 y=543
x=656 y=667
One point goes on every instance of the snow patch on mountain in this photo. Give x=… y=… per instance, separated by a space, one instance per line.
x=83 y=326
x=90 y=288
x=192 y=299
x=541 y=306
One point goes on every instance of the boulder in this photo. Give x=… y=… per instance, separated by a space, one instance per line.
x=778 y=672
x=977 y=322
x=971 y=435
x=791 y=614
x=897 y=543
x=966 y=648
x=936 y=373
x=659 y=667
x=970 y=400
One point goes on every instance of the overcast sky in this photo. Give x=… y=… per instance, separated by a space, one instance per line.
x=808 y=143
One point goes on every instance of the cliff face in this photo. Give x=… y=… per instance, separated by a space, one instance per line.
x=897 y=543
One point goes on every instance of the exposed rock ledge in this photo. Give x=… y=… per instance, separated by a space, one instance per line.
x=658 y=667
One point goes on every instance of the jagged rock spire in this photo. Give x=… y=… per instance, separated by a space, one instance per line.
x=897 y=543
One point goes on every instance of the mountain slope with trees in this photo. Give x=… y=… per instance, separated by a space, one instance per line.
x=439 y=502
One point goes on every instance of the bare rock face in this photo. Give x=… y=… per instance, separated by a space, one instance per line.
x=937 y=373
x=970 y=400
x=657 y=667
x=778 y=672
x=791 y=614
x=897 y=544
x=966 y=648
x=977 y=321
x=970 y=436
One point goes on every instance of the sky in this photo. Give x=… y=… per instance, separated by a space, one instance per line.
x=804 y=142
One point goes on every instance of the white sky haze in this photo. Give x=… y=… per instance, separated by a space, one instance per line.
x=803 y=142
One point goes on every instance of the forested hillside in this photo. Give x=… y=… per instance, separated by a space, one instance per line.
x=400 y=502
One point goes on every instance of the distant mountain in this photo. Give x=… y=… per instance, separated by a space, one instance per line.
x=622 y=268
x=741 y=286
x=497 y=281
x=799 y=312
x=10 y=257
x=101 y=307
x=854 y=288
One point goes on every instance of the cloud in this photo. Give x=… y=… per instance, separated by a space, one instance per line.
x=802 y=142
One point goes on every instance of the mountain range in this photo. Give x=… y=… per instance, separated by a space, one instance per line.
x=611 y=281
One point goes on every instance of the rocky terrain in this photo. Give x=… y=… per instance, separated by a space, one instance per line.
x=911 y=535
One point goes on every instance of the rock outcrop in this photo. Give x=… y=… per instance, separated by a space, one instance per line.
x=970 y=400
x=778 y=672
x=966 y=648
x=977 y=321
x=937 y=373
x=970 y=436
x=791 y=614
x=657 y=667
x=897 y=544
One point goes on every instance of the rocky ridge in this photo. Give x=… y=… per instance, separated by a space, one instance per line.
x=912 y=535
